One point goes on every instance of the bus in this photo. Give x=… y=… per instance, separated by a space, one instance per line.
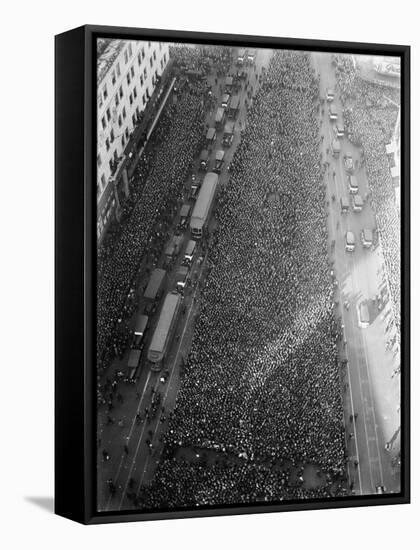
x=155 y=284
x=202 y=207
x=164 y=330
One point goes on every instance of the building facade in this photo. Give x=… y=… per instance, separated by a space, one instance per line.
x=128 y=73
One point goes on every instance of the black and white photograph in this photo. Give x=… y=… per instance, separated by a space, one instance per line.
x=248 y=275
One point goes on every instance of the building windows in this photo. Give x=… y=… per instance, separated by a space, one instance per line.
x=130 y=51
x=139 y=58
x=111 y=135
x=142 y=53
x=107 y=144
x=145 y=73
x=119 y=121
x=103 y=123
x=127 y=133
x=125 y=57
x=115 y=156
x=128 y=79
x=100 y=101
x=98 y=160
x=124 y=113
x=133 y=118
x=141 y=80
x=123 y=141
x=138 y=112
x=108 y=114
x=113 y=78
x=117 y=100
x=144 y=99
x=154 y=55
x=105 y=92
x=135 y=92
x=131 y=99
x=111 y=165
x=132 y=71
x=164 y=57
x=118 y=70
x=153 y=80
x=150 y=44
x=121 y=92
x=151 y=61
x=103 y=181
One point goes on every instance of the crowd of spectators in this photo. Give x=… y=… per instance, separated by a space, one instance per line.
x=261 y=381
x=370 y=118
x=158 y=183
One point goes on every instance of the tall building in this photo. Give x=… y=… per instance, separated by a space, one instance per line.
x=129 y=80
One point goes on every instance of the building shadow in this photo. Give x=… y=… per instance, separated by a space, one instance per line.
x=46 y=503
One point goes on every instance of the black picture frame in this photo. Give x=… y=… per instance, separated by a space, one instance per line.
x=75 y=248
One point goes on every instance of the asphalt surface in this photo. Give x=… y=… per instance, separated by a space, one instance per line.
x=371 y=394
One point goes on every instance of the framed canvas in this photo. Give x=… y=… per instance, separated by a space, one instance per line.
x=232 y=274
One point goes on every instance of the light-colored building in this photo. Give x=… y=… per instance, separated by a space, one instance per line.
x=128 y=74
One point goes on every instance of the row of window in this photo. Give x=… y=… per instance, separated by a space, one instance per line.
x=131 y=74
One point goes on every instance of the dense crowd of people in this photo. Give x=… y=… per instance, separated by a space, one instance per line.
x=261 y=381
x=159 y=179
x=370 y=118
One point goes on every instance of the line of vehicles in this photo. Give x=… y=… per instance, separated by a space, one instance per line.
x=164 y=329
x=355 y=200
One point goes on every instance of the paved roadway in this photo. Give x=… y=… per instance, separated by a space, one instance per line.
x=144 y=438
x=370 y=390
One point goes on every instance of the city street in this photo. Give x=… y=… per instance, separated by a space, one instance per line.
x=371 y=393
x=133 y=442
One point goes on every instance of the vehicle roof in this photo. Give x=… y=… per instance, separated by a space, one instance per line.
x=154 y=283
x=164 y=324
x=185 y=210
x=207 y=190
x=204 y=155
x=358 y=199
x=220 y=154
x=368 y=234
x=133 y=358
x=350 y=237
x=210 y=133
x=225 y=96
x=141 y=323
x=229 y=80
x=229 y=127
x=190 y=246
x=235 y=101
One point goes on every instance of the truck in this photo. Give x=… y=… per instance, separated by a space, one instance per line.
x=189 y=253
x=137 y=345
x=226 y=101
x=345 y=205
x=329 y=94
x=219 y=161
x=204 y=159
x=181 y=278
x=210 y=137
x=348 y=163
x=228 y=133
x=228 y=84
x=183 y=215
x=357 y=203
x=203 y=205
x=353 y=185
x=366 y=236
